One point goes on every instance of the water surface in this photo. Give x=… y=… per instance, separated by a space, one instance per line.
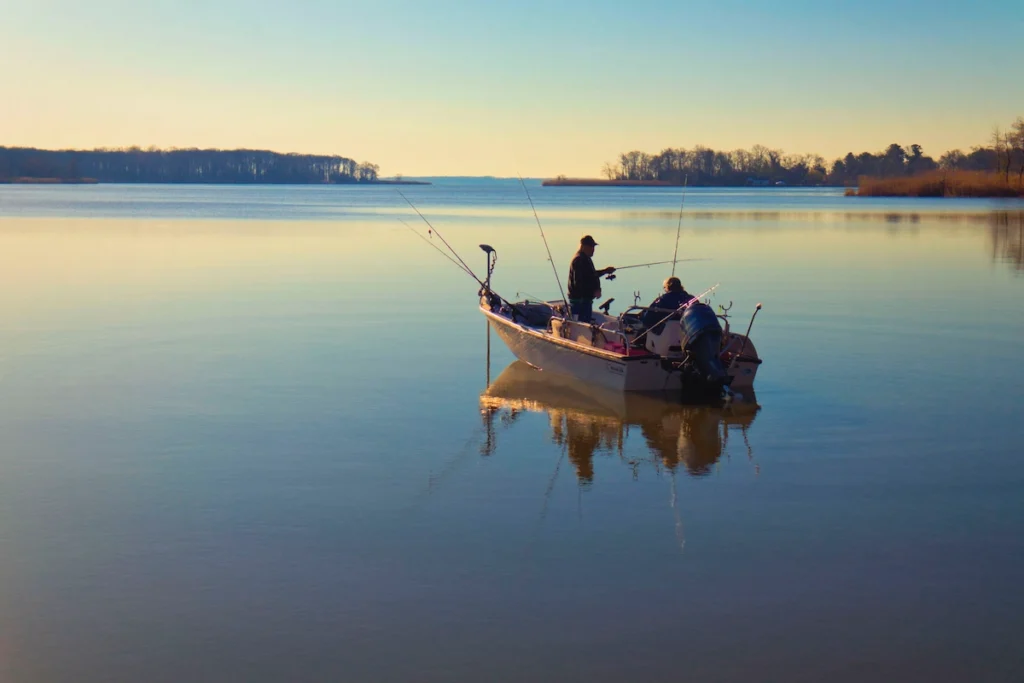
x=247 y=433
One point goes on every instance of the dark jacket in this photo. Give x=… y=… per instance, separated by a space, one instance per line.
x=583 y=279
x=667 y=302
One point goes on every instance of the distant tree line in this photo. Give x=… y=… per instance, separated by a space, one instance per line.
x=135 y=165
x=761 y=165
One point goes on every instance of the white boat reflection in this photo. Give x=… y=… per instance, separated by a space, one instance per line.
x=588 y=420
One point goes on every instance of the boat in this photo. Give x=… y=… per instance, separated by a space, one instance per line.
x=692 y=349
x=589 y=420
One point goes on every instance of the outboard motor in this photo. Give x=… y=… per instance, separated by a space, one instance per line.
x=702 y=337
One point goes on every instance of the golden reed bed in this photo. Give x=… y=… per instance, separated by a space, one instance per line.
x=942 y=184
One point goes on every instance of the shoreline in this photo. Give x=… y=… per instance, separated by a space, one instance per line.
x=94 y=181
x=26 y=180
x=598 y=182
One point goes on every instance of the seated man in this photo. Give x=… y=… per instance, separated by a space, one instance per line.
x=674 y=297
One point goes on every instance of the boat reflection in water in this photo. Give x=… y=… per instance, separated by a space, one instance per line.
x=586 y=420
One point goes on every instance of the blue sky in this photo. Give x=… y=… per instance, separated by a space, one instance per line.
x=530 y=87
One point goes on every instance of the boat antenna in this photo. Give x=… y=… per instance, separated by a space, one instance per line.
x=679 y=226
x=434 y=231
x=543 y=237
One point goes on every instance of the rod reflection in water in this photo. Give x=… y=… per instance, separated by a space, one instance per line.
x=587 y=420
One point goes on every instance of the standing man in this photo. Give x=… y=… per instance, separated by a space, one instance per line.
x=585 y=281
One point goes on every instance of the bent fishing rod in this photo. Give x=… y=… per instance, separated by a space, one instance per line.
x=683 y=307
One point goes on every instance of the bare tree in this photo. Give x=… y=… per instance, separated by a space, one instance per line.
x=1002 y=151
x=367 y=172
x=1016 y=139
x=952 y=159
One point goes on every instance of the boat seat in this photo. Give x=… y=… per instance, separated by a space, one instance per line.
x=668 y=343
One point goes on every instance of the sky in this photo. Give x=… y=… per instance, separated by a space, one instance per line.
x=535 y=87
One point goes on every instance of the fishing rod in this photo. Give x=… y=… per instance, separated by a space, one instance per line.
x=658 y=263
x=537 y=299
x=683 y=307
x=485 y=287
x=680 y=534
x=746 y=338
x=543 y=237
x=439 y=249
x=679 y=226
x=433 y=230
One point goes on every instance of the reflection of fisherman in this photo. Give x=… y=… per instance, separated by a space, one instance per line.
x=584 y=438
x=674 y=297
x=585 y=281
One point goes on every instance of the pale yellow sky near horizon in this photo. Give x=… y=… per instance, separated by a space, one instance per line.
x=378 y=86
x=435 y=140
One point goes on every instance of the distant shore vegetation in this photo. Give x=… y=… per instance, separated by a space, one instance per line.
x=943 y=183
x=152 y=165
x=763 y=166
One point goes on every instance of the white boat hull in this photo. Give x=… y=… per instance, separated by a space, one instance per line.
x=551 y=354
x=643 y=373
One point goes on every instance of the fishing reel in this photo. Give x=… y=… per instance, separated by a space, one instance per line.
x=609 y=277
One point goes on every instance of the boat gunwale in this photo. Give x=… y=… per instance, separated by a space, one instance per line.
x=568 y=343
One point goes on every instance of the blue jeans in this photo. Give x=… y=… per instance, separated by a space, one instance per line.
x=583 y=309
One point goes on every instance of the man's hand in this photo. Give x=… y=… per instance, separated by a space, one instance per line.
x=597 y=293
x=608 y=271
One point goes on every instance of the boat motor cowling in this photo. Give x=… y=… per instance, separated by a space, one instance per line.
x=702 y=337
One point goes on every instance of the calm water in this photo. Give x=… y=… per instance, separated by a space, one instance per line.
x=246 y=435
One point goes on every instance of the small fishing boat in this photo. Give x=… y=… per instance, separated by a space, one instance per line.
x=691 y=349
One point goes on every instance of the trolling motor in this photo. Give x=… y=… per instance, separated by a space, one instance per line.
x=492 y=260
x=493 y=300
